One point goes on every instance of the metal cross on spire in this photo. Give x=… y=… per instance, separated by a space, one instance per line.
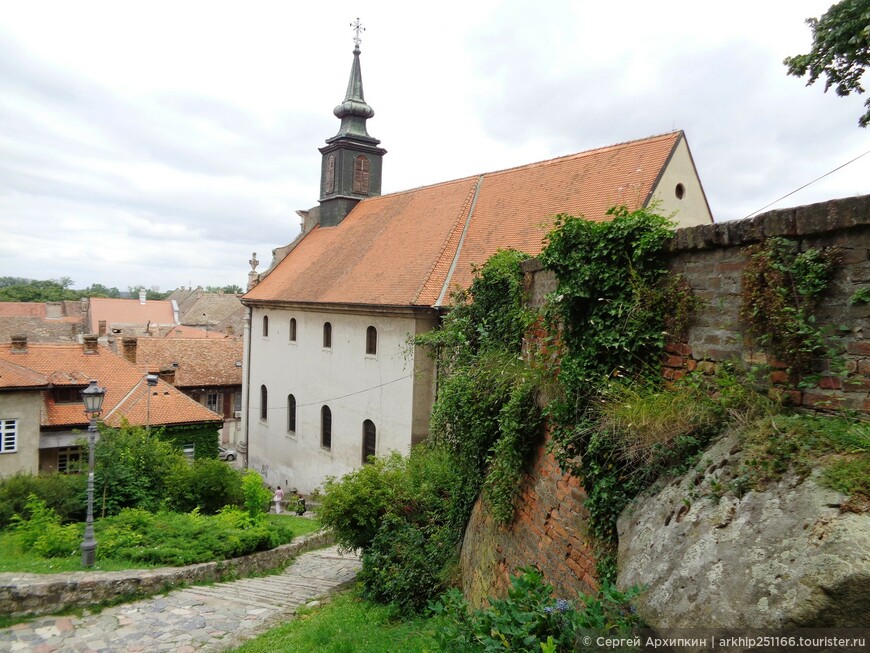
x=357 y=28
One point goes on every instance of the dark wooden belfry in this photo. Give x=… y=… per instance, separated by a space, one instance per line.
x=352 y=161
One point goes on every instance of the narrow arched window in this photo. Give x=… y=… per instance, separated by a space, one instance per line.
x=264 y=402
x=329 y=185
x=291 y=413
x=369 y=443
x=361 y=175
x=327 y=335
x=292 y=329
x=371 y=341
x=265 y=326
x=326 y=428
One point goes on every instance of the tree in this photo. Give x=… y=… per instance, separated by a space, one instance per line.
x=99 y=290
x=840 y=51
x=232 y=289
x=52 y=290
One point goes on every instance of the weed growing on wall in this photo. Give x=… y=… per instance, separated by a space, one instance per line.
x=781 y=287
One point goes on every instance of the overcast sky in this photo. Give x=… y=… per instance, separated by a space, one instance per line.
x=162 y=143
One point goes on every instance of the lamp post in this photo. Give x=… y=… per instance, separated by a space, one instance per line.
x=93 y=398
x=151 y=380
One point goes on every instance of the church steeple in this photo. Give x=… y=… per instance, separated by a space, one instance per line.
x=352 y=161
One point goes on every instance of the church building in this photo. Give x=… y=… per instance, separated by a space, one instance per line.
x=330 y=377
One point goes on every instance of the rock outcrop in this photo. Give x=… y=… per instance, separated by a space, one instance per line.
x=779 y=558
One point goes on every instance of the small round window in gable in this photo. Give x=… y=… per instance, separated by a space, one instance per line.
x=680 y=191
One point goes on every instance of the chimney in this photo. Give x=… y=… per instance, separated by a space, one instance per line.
x=19 y=345
x=101 y=327
x=53 y=310
x=91 y=346
x=129 y=348
x=168 y=374
x=142 y=295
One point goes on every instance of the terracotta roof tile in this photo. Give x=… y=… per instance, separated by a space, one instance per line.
x=126 y=391
x=129 y=311
x=16 y=376
x=400 y=249
x=200 y=362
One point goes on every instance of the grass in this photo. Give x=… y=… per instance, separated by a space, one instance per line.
x=347 y=624
x=13 y=559
x=840 y=446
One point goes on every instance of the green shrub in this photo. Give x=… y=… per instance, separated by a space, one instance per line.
x=208 y=484
x=355 y=505
x=57 y=541
x=37 y=518
x=256 y=495
x=64 y=493
x=530 y=620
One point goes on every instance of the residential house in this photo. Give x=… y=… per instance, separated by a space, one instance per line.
x=60 y=321
x=112 y=318
x=207 y=370
x=330 y=377
x=214 y=313
x=42 y=415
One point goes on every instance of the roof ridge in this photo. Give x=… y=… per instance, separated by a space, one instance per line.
x=461 y=220
x=554 y=159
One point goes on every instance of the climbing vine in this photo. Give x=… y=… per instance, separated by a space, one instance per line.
x=486 y=407
x=781 y=287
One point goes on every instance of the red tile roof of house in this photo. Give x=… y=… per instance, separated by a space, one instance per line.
x=129 y=311
x=126 y=390
x=200 y=362
x=411 y=248
x=182 y=331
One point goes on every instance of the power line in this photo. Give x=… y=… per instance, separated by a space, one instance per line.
x=350 y=394
x=808 y=184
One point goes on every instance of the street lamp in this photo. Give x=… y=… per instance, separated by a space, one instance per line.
x=93 y=398
x=151 y=380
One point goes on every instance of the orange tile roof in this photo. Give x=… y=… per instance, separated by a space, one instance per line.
x=16 y=376
x=200 y=362
x=182 y=331
x=409 y=248
x=126 y=391
x=129 y=311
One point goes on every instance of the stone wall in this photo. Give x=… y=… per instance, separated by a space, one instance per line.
x=38 y=594
x=547 y=532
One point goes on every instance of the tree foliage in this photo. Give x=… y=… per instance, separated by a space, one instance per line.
x=28 y=290
x=840 y=50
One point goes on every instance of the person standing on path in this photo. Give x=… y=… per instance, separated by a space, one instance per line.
x=278 y=499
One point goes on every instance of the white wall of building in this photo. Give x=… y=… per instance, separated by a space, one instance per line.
x=356 y=386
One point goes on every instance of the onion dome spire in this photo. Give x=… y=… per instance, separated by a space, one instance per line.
x=354 y=111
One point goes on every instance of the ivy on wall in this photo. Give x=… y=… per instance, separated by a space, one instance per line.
x=781 y=287
x=203 y=437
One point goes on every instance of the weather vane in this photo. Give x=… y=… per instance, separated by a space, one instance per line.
x=357 y=28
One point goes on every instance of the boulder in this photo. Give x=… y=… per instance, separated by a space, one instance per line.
x=785 y=557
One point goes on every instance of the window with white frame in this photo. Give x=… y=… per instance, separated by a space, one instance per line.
x=215 y=401
x=8 y=435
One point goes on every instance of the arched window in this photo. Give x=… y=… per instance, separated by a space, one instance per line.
x=371 y=341
x=292 y=329
x=264 y=402
x=329 y=185
x=326 y=428
x=369 y=442
x=361 y=175
x=291 y=413
x=327 y=335
x=265 y=326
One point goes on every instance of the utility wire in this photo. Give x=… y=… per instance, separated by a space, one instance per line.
x=350 y=394
x=807 y=184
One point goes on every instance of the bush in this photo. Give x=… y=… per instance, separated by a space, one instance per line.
x=256 y=495
x=355 y=505
x=407 y=515
x=63 y=493
x=208 y=484
x=530 y=620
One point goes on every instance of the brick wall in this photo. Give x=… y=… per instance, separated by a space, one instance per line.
x=547 y=532
x=712 y=258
